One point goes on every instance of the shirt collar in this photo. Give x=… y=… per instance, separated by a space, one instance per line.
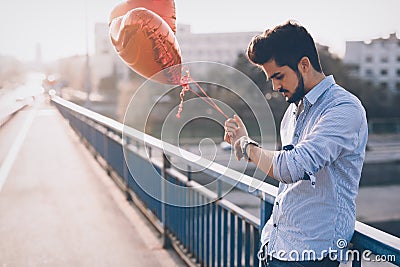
x=313 y=95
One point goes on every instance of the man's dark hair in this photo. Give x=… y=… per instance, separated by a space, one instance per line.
x=286 y=44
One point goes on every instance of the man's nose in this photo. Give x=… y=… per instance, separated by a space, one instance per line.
x=276 y=86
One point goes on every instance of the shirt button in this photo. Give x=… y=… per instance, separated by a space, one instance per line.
x=277 y=203
x=275 y=225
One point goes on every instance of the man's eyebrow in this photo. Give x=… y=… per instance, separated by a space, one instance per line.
x=274 y=75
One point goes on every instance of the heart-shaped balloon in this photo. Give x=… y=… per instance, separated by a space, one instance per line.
x=147 y=44
x=164 y=8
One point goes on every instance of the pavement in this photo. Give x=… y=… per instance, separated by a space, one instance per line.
x=57 y=205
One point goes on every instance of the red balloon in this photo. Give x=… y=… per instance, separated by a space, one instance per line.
x=146 y=43
x=164 y=8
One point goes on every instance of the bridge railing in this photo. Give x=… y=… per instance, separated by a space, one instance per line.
x=205 y=229
x=7 y=114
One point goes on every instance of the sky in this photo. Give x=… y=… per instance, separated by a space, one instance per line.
x=60 y=26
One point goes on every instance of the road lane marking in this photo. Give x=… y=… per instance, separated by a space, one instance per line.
x=8 y=162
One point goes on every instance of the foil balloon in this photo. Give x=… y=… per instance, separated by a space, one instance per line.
x=164 y=8
x=147 y=44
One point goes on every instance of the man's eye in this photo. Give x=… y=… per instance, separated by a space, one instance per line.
x=280 y=77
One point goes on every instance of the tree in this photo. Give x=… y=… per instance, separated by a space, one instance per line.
x=379 y=102
x=277 y=103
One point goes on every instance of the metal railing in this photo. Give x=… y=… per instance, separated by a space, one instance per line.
x=214 y=233
x=4 y=118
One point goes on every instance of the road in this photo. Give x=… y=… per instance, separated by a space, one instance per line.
x=12 y=99
x=58 y=207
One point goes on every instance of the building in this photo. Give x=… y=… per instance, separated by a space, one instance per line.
x=11 y=72
x=212 y=47
x=376 y=61
x=105 y=61
x=73 y=70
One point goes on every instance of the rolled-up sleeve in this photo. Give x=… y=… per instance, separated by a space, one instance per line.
x=335 y=133
x=286 y=168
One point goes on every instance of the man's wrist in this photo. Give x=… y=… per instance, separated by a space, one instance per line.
x=246 y=147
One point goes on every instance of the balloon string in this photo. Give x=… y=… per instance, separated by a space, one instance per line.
x=186 y=79
x=185 y=88
x=208 y=101
x=212 y=101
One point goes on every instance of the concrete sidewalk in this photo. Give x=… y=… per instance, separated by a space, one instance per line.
x=59 y=208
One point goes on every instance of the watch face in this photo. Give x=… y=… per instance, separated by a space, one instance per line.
x=244 y=149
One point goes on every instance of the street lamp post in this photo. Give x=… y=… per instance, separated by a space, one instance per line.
x=88 y=82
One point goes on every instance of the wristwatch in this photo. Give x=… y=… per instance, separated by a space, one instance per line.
x=245 y=143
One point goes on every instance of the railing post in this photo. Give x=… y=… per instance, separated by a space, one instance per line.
x=265 y=212
x=189 y=173
x=125 y=143
x=149 y=152
x=219 y=189
x=164 y=184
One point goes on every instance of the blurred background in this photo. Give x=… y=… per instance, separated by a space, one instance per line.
x=64 y=47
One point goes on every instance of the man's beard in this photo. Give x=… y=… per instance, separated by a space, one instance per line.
x=299 y=92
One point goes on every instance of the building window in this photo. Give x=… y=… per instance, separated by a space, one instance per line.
x=384 y=60
x=384 y=85
x=384 y=72
x=368 y=72
x=398 y=72
x=368 y=59
x=398 y=58
x=398 y=86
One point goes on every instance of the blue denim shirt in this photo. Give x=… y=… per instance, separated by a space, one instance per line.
x=319 y=177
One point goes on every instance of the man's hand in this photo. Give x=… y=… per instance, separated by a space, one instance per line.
x=234 y=130
x=236 y=135
x=237 y=146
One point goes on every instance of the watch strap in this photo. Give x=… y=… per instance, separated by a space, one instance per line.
x=248 y=142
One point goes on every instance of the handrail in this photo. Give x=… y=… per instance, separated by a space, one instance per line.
x=94 y=116
x=365 y=237
x=230 y=176
x=4 y=118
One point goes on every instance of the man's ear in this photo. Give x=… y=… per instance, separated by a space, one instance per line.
x=304 y=65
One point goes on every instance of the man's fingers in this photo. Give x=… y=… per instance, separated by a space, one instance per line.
x=239 y=121
x=231 y=124
x=227 y=138
x=231 y=129
x=234 y=128
x=230 y=121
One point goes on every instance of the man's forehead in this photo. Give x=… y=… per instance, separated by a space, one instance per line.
x=271 y=69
